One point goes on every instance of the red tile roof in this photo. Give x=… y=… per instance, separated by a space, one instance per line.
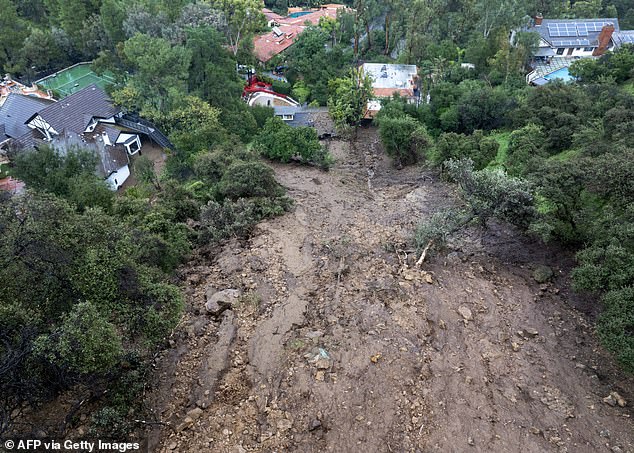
x=11 y=185
x=268 y=45
x=270 y=15
x=388 y=92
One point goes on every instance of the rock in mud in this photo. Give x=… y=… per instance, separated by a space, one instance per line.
x=609 y=400
x=530 y=333
x=465 y=312
x=219 y=301
x=187 y=423
x=195 y=413
x=322 y=364
x=542 y=274
x=284 y=424
x=614 y=399
x=314 y=424
x=515 y=346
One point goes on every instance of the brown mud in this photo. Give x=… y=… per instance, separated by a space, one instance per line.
x=340 y=344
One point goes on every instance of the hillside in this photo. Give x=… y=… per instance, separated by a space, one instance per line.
x=339 y=343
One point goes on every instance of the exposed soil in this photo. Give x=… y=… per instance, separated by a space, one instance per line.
x=339 y=343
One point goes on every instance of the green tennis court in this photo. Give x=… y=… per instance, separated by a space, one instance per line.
x=72 y=79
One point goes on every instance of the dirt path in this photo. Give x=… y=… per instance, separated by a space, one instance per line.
x=336 y=346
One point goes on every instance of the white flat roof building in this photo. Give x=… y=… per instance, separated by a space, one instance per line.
x=388 y=79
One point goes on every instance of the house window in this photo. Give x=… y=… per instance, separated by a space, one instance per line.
x=560 y=51
x=588 y=49
x=287 y=117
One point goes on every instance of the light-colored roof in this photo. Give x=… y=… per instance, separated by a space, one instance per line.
x=388 y=79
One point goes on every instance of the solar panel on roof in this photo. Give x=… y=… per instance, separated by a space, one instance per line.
x=627 y=38
x=571 y=42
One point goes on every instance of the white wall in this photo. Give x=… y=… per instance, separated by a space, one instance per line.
x=270 y=100
x=116 y=179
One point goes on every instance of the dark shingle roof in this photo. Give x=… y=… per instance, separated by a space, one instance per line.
x=112 y=132
x=316 y=117
x=16 y=110
x=109 y=158
x=74 y=112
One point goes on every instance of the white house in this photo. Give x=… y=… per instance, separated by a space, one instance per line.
x=575 y=37
x=391 y=79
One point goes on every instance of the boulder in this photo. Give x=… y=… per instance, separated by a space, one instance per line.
x=465 y=313
x=219 y=301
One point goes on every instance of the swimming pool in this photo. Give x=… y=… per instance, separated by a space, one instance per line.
x=562 y=74
x=299 y=14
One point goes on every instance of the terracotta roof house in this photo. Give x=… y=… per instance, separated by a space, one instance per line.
x=272 y=18
x=285 y=30
x=276 y=41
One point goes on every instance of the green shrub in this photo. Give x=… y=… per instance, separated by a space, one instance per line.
x=249 y=179
x=262 y=113
x=616 y=325
x=84 y=343
x=481 y=150
x=404 y=138
x=492 y=193
x=279 y=141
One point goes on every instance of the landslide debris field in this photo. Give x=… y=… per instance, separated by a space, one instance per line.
x=332 y=340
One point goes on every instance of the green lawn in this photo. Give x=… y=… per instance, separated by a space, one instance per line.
x=502 y=137
x=566 y=155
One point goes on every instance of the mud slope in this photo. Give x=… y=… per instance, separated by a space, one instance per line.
x=336 y=345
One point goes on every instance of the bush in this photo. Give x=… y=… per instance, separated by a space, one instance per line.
x=279 y=141
x=492 y=193
x=262 y=113
x=404 y=138
x=84 y=343
x=616 y=325
x=479 y=149
x=439 y=227
x=281 y=87
x=249 y=179
x=210 y=166
x=525 y=145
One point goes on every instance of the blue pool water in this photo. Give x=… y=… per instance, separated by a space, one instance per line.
x=299 y=14
x=562 y=74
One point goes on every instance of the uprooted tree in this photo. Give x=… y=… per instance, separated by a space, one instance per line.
x=487 y=194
